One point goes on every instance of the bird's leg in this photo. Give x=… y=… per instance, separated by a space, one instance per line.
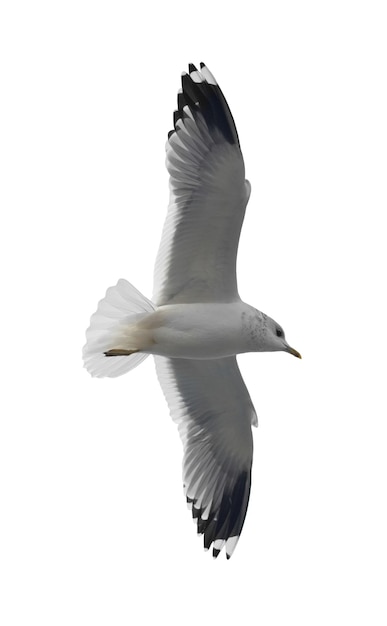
x=120 y=352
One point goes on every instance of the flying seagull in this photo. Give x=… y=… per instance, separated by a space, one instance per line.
x=196 y=322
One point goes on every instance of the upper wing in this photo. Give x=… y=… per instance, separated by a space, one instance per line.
x=196 y=261
x=210 y=403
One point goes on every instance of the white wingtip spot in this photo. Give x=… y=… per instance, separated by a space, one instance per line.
x=208 y=76
x=231 y=545
x=197 y=77
x=206 y=512
x=188 y=112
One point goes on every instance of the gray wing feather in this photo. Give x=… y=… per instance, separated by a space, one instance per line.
x=196 y=261
x=212 y=407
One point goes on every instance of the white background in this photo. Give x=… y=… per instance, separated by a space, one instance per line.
x=94 y=527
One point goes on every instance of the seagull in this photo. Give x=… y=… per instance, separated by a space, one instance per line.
x=196 y=323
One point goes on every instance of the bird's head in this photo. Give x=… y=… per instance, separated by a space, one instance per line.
x=275 y=338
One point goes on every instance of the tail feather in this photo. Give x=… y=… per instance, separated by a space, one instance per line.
x=109 y=331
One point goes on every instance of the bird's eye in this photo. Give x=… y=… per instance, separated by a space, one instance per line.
x=278 y=332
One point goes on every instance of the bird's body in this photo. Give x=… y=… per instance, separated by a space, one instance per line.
x=196 y=322
x=206 y=330
x=203 y=331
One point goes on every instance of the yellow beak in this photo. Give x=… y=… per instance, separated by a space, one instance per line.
x=294 y=352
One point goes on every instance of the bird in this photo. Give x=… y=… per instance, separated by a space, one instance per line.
x=196 y=323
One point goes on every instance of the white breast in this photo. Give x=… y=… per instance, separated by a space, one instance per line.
x=198 y=331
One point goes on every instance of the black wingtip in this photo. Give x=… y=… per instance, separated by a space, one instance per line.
x=196 y=512
x=211 y=103
x=185 y=80
x=202 y=525
x=181 y=100
x=215 y=552
x=184 y=76
x=176 y=116
x=205 y=97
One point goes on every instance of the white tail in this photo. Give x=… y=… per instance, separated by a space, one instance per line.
x=109 y=330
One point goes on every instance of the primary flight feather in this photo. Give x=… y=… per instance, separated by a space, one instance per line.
x=196 y=322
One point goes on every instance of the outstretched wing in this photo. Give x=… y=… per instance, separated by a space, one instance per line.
x=196 y=261
x=212 y=407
